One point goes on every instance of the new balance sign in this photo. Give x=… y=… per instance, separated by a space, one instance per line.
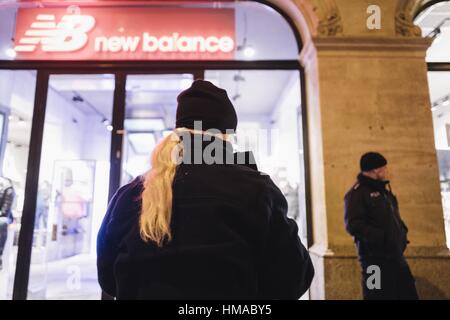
x=134 y=33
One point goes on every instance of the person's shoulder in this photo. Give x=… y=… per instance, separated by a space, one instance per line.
x=356 y=190
x=131 y=190
x=269 y=189
x=258 y=177
x=246 y=169
x=237 y=172
x=260 y=181
x=126 y=202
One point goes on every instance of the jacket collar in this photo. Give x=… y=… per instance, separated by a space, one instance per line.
x=375 y=184
x=199 y=149
x=197 y=146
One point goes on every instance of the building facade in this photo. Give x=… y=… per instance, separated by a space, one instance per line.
x=355 y=75
x=367 y=89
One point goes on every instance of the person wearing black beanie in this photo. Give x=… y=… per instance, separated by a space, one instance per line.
x=204 y=102
x=201 y=230
x=371 y=161
x=372 y=217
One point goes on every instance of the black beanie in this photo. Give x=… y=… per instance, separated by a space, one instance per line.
x=205 y=102
x=372 y=160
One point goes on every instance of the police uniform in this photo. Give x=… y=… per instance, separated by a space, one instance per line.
x=372 y=217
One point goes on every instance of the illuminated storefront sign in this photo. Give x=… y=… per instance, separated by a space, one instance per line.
x=124 y=34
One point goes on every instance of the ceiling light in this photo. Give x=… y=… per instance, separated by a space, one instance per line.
x=249 y=52
x=446 y=102
x=11 y=53
x=109 y=128
x=143 y=143
x=144 y=124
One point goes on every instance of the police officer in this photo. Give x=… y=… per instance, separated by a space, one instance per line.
x=372 y=217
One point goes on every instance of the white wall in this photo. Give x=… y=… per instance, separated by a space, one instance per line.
x=285 y=120
x=70 y=134
x=96 y=145
x=96 y=142
x=288 y=149
x=63 y=134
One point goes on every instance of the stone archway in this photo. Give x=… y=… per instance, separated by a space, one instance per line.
x=406 y=12
x=313 y=17
x=339 y=55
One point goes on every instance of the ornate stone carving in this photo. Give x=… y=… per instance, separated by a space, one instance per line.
x=323 y=15
x=404 y=17
x=330 y=22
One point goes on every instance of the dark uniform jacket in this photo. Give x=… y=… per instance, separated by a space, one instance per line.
x=372 y=218
x=231 y=240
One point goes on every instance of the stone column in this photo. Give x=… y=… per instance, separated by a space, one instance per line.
x=367 y=90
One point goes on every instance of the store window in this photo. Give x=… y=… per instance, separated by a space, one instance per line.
x=439 y=83
x=16 y=112
x=243 y=30
x=269 y=112
x=75 y=163
x=435 y=24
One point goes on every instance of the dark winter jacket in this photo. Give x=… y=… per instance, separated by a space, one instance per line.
x=7 y=196
x=372 y=217
x=231 y=240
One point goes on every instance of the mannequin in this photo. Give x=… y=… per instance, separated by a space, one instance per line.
x=7 y=195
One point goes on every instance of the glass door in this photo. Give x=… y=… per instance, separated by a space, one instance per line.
x=85 y=115
x=73 y=194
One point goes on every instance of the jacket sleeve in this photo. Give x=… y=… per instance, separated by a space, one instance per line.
x=287 y=270
x=117 y=223
x=356 y=223
x=397 y=207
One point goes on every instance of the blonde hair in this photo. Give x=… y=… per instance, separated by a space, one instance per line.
x=156 y=212
x=156 y=209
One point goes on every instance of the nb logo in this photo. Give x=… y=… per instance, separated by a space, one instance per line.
x=69 y=34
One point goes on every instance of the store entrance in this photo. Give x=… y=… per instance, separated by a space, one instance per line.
x=98 y=132
x=72 y=197
x=75 y=169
